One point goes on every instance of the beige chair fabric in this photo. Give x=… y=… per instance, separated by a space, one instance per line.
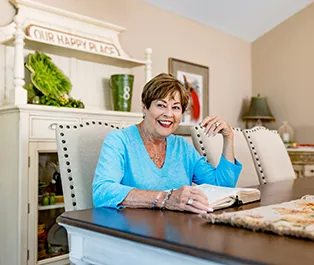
x=78 y=149
x=272 y=159
x=211 y=147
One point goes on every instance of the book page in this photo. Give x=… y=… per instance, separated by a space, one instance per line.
x=218 y=196
x=216 y=193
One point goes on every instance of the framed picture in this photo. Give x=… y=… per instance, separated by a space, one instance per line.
x=195 y=78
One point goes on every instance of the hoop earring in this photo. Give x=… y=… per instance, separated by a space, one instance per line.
x=144 y=115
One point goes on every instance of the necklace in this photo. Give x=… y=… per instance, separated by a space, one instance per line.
x=157 y=156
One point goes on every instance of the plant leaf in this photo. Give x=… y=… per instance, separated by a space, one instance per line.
x=47 y=77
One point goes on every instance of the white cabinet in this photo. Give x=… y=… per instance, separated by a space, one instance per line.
x=41 y=126
x=27 y=144
x=27 y=138
x=46 y=244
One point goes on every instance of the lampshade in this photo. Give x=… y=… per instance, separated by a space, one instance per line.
x=259 y=110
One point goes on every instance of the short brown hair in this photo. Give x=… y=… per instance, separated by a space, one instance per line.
x=161 y=86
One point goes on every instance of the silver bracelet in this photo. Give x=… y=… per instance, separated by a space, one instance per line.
x=156 y=200
x=165 y=199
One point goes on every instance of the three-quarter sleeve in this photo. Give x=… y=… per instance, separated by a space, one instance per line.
x=107 y=190
x=225 y=174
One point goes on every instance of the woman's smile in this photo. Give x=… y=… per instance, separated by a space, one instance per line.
x=165 y=123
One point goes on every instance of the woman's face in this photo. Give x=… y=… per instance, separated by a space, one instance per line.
x=163 y=116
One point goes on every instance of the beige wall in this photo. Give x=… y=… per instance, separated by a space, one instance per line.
x=6 y=12
x=283 y=70
x=228 y=58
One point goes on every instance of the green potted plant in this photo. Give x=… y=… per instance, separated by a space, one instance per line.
x=49 y=85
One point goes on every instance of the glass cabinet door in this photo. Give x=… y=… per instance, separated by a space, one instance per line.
x=48 y=242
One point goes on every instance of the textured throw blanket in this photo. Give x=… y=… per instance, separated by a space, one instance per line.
x=293 y=218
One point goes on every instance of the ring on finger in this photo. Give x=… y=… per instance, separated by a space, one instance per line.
x=217 y=124
x=190 y=201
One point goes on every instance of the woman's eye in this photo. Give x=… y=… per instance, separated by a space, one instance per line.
x=177 y=107
x=161 y=105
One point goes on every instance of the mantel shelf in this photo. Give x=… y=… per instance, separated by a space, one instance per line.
x=32 y=44
x=65 y=110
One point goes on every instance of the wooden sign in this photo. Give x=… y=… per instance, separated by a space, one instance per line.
x=69 y=40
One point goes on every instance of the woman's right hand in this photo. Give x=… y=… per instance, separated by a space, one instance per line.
x=188 y=199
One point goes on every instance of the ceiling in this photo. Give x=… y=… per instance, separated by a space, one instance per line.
x=245 y=19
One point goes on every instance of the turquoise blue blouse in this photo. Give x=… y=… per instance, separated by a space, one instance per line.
x=124 y=164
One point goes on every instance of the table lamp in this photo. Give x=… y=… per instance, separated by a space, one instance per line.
x=258 y=111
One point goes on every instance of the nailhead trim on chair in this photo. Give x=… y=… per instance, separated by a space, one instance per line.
x=197 y=128
x=68 y=164
x=260 y=169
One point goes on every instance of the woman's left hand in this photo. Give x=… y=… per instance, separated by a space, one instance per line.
x=214 y=125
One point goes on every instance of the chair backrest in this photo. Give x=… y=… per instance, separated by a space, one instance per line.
x=273 y=160
x=78 y=149
x=211 y=147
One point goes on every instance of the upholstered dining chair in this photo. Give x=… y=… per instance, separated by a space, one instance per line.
x=211 y=148
x=272 y=160
x=78 y=148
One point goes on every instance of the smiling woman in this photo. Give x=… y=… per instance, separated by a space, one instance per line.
x=146 y=166
x=162 y=109
x=164 y=100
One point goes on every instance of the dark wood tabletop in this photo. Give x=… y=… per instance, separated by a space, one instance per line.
x=189 y=234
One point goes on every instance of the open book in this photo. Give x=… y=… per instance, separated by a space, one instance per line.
x=223 y=197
